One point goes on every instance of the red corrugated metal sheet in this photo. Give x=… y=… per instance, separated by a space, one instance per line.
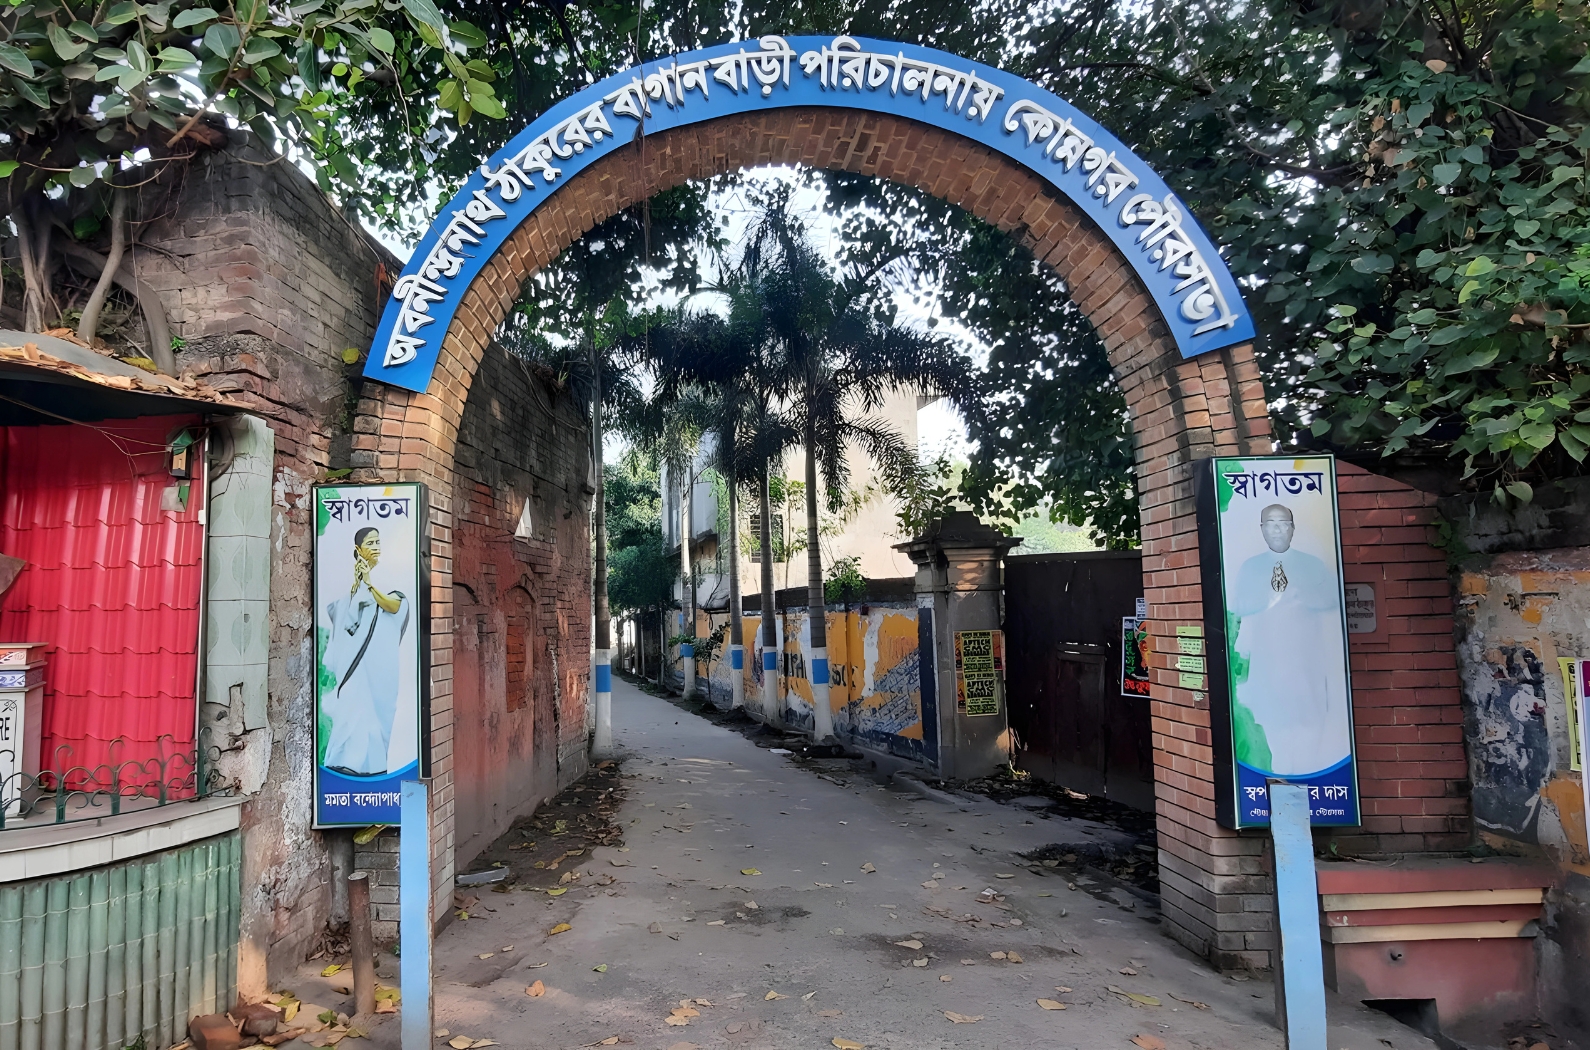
x=112 y=584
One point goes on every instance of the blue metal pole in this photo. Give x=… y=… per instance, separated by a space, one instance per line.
x=414 y=912
x=1300 y=977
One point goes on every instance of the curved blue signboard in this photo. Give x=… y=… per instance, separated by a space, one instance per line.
x=1172 y=256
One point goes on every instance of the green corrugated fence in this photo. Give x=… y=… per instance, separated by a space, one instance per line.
x=99 y=959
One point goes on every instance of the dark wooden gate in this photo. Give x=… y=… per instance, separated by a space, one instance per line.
x=1063 y=673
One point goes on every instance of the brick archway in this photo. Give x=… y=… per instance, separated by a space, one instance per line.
x=1181 y=409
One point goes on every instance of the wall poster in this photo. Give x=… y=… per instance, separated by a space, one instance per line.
x=371 y=603
x=1134 y=656
x=1276 y=626
x=979 y=666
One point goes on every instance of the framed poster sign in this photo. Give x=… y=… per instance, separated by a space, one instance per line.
x=979 y=665
x=1134 y=656
x=371 y=603
x=1276 y=625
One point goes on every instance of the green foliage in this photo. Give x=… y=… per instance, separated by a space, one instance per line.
x=844 y=583
x=640 y=568
x=83 y=88
x=1461 y=278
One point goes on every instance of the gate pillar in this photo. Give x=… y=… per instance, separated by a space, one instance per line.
x=960 y=587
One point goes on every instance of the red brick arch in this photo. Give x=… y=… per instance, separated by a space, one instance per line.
x=1181 y=410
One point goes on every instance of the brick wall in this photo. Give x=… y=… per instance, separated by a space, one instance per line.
x=1407 y=706
x=521 y=603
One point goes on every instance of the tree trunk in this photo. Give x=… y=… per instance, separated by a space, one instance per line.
x=33 y=245
x=88 y=324
x=736 y=635
x=687 y=606
x=602 y=742
x=158 y=326
x=771 y=713
x=816 y=610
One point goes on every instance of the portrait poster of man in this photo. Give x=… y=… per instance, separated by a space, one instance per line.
x=1134 y=656
x=1285 y=631
x=368 y=609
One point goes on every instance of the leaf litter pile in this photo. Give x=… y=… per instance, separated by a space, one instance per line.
x=543 y=848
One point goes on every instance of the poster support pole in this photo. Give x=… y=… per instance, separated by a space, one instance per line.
x=416 y=931
x=1300 y=974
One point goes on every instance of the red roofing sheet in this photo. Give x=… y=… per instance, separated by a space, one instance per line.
x=112 y=584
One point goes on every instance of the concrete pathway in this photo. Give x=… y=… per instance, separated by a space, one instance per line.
x=803 y=951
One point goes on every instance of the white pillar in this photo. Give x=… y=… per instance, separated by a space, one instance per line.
x=602 y=745
x=822 y=715
x=415 y=930
x=687 y=656
x=770 y=705
x=737 y=674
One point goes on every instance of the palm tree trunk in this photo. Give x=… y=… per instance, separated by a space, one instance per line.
x=816 y=610
x=602 y=669
x=687 y=607
x=771 y=712
x=736 y=632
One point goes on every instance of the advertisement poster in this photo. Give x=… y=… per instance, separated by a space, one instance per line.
x=1569 y=667
x=979 y=666
x=370 y=607
x=1134 y=656
x=1280 y=626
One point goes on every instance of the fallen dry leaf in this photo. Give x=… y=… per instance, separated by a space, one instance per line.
x=945 y=977
x=1129 y=971
x=770 y=996
x=919 y=962
x=1050 y=1004
x=557 y=892
x=749 y=871
x=962 y=1018
x=600 y=968
x=807 y=997
x=1012 y=957
x=536 y=991
x=996 y=955
x=332 y=969
x=675 y=1019
x=868 y=868
x=913 y=944
x=1141 y=1000
x=655 y=927
x=1194 y=1003
x=848 y=1044
x=683 y=1046
x=1149 y=1042
x=718 y=922
x=485 y=955
x=460 y=1042
x=1061 y=988
x=830 y=1013
x=561 y=927
x=1002 y=875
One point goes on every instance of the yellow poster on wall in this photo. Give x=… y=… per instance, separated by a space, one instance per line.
x=979 y=666
x=1570 y=693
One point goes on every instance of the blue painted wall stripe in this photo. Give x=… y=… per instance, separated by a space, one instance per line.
x=819 y=671
x=604 y=678
x=737 y=658
x=686 y=649
x=769 y=660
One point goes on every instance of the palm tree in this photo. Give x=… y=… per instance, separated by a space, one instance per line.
x=838 y=362
x=728 y=356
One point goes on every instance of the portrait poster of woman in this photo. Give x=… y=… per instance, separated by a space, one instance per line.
x=368 y=604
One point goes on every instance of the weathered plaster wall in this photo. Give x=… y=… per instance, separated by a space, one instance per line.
x=268 y=283
x=1524 y=603
x=875 y=666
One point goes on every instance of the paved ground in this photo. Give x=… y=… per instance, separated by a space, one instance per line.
x=841 y=875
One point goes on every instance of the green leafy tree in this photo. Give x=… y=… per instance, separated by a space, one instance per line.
x=98 y=98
